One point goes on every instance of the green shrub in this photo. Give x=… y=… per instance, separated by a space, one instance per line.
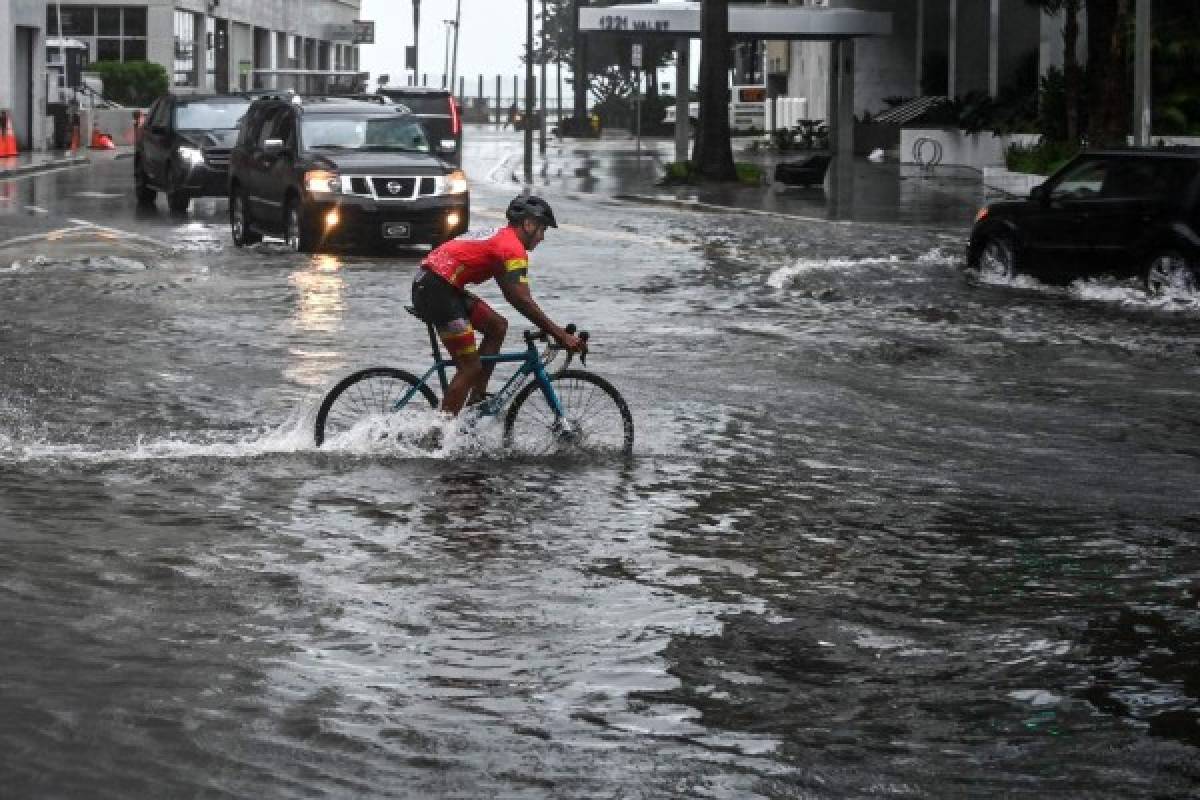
x=684 y=172
x=1041 y=159
x=132 y=83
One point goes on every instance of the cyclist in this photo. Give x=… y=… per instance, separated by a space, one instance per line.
x=440 y=296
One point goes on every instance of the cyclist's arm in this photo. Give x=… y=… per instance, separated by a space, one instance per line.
x=518 y=294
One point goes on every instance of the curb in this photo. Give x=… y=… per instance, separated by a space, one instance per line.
x=714 y=208
x=58 y=163
x=45 y=166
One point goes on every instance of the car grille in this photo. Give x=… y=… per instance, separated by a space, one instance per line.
x=408 y=187
x=398 y=188
x=217 y=158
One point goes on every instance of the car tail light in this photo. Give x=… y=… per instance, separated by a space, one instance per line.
x=455 y=122
x=983 y=212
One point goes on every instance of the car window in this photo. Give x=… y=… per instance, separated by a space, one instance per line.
x=275 y=126
x=329 y=131
x=161 y=114
x=1083 y=180
x=422 y=104
x=209 y=116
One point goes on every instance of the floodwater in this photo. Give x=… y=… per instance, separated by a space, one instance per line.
x=886 y=532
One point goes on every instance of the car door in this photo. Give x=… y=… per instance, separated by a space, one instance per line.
x=1131 y=197
x=156 y=141
x=278 y=176
x=265 y=198
x=1058 y=227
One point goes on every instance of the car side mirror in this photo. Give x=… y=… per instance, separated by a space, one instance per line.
x=1038 y=194
x=272 y=147
x=158 y=130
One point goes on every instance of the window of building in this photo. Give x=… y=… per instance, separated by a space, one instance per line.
x=185 y=49
x=111 y=33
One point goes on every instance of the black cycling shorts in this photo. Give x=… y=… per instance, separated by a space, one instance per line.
x=439 y=303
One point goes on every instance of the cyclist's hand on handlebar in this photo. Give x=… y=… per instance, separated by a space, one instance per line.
x=571 y=342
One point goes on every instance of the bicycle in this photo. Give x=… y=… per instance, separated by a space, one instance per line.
x=571 y=409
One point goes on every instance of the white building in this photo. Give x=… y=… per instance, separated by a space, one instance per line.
x=205 y=45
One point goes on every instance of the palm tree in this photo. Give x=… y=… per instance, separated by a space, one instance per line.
x=1071 y=71
x=712 y=156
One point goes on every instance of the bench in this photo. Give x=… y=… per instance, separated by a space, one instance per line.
x=802 y=173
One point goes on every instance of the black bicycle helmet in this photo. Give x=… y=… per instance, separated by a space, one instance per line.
x=530 y=207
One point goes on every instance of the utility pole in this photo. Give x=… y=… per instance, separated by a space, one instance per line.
x=542 y=127
x=446 y=79
x=454 y=59
x=416 y=40
x=528 y=92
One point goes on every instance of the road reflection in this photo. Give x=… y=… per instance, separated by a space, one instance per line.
x=320 y=311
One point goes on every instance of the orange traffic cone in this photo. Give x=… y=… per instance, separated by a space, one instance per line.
x=101 y=141
x=75 y=134
x=8 y=140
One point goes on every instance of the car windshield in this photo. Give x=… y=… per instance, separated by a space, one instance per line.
x=209 y=116
x=363 y=133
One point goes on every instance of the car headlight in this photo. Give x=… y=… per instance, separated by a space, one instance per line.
x=192 y=155
x=320 y=180
x=454 y=183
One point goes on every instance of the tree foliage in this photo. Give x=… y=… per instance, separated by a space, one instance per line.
x=132 y=83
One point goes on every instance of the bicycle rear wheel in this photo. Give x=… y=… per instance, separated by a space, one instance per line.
x=595 y=417
x=373 y=392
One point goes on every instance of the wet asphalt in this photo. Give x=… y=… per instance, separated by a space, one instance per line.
x=886 y=531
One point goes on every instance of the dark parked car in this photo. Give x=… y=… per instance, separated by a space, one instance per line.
x=1132 y=212
x=324 y=171
x=183 y=148
x=438 y=112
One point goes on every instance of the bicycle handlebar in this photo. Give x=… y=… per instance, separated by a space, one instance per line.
x=542 y=336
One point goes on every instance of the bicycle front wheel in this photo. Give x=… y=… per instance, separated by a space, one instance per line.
x=374 y=392
x=595 y=417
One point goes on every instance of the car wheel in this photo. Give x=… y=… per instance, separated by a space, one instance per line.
x=177 y=199
x=299 y=235
x=1169 y=273
x=997 y=258
x=145 y=195
x=239 y=222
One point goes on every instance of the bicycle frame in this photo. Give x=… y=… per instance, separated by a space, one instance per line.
x=532 y=364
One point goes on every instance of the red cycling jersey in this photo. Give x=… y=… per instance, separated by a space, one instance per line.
x=475 y=259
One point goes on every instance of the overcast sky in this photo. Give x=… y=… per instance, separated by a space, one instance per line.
x=491 y=40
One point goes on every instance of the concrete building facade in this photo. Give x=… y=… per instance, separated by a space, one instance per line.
x=937 y=47
x=205 y=45
x=22 y=62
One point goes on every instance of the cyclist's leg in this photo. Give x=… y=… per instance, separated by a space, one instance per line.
x=446 y=308
x=493 y=327
x=459 y=338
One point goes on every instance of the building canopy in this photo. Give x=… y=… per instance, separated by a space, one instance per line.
x=681 y=18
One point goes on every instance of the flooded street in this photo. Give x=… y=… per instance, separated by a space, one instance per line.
x=885 y=532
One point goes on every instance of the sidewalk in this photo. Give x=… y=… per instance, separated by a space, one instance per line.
x=32 y=163
x=883 y=193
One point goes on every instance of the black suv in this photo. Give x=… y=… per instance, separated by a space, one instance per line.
x=1132 y=212
x=183 y=148
x=438 y=112
x=320 y=171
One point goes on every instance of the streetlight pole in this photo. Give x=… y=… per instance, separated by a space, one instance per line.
x=416 y=41
x=542 y=127
x=454 y=58
x=528 y=91
x=446 y=56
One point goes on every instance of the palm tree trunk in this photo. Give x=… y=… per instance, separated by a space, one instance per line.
x=1071 y=67
x=713 y=153
x=1108 y=71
